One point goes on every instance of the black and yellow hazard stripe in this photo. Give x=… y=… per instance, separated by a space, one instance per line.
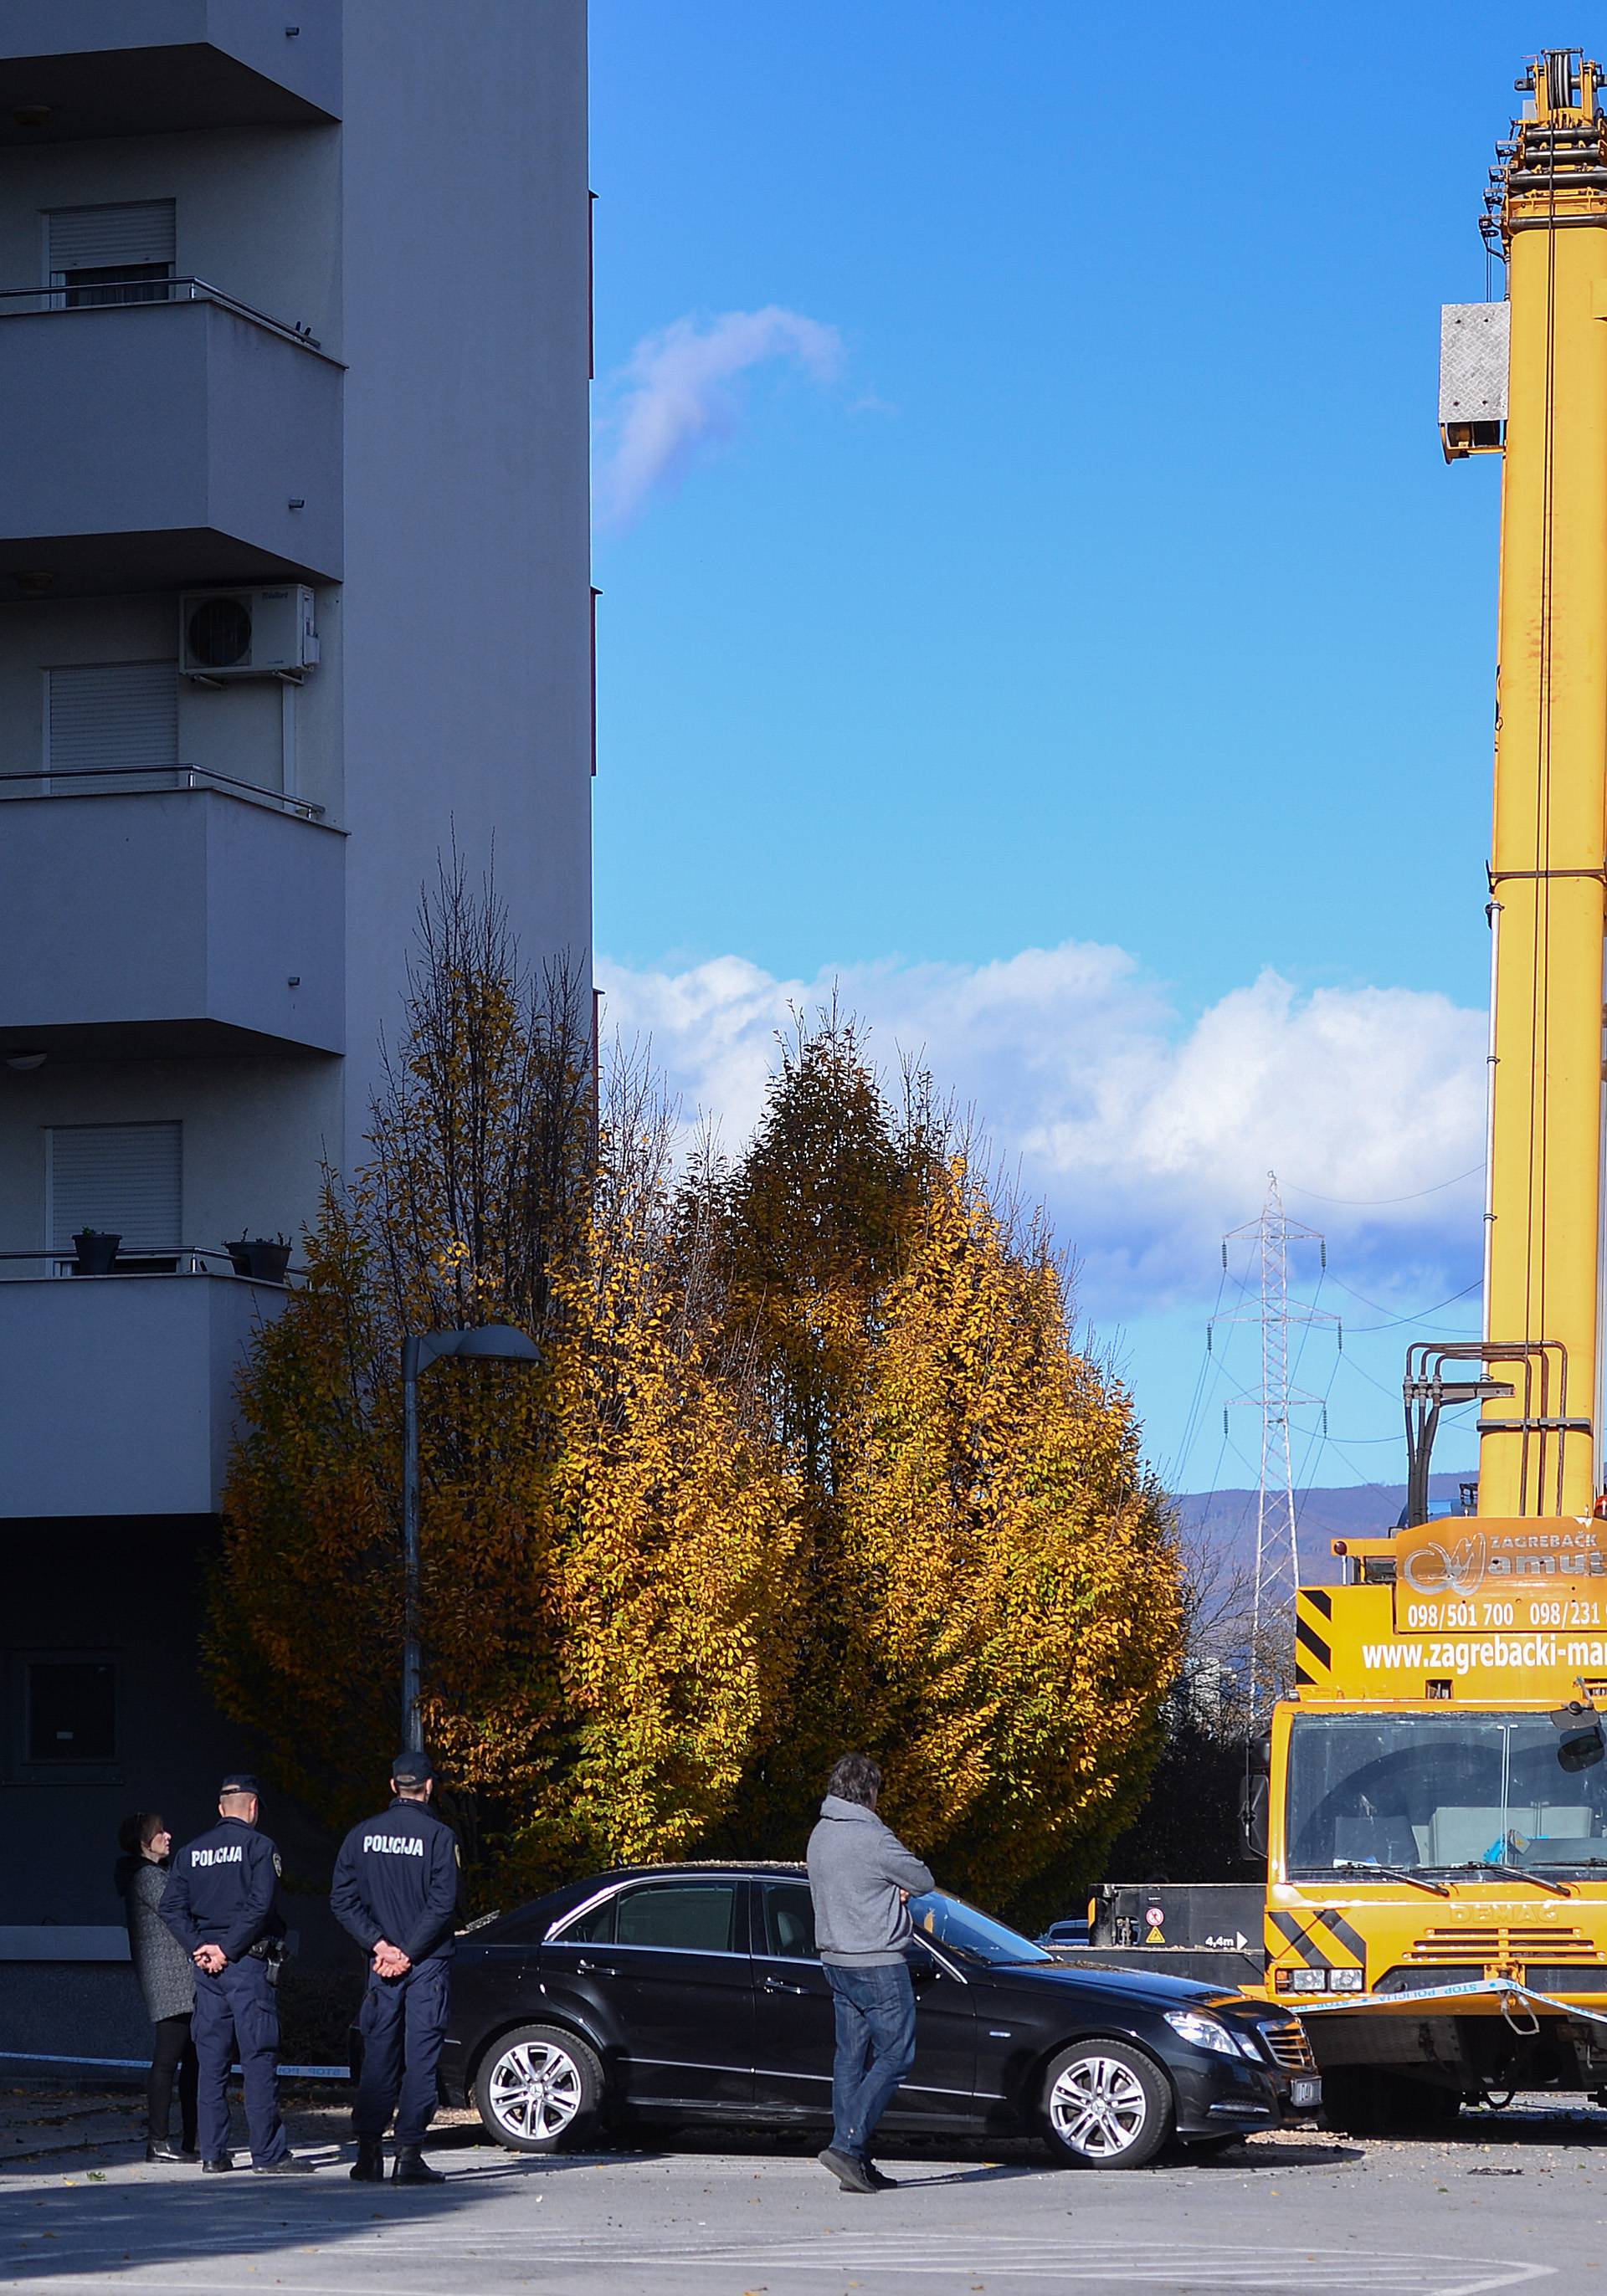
x=1314 y=1653
x=1321 y=1938
x=1292 y=1930
x=1349 y=1940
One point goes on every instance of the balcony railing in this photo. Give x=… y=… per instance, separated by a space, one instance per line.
x=148 y=1260
x=121 y=1393
x=152 y=781
x=252 y=940
x=122 y=295
x=188 y=443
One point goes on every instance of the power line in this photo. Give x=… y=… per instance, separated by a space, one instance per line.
x=1449 y=1420
x=1317 y=1435
x=1377 y=1204
x=1392 y=1393
x=1418 y=1315
x=1383 y=1489
x=1306 y=1328
x=1446 y=1331
x=1211 y=1367
x=1191 y=1418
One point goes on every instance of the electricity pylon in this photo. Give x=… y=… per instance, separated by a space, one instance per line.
x=1277 y=1530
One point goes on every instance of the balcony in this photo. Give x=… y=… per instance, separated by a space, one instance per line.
x=121 y=1389
x=167 y=444
x=169 y=913
x=150 y=67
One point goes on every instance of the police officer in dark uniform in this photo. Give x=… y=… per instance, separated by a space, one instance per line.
x=396 y=1889
x=222 y=1904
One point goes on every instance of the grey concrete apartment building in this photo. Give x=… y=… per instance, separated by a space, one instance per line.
x=294 y=591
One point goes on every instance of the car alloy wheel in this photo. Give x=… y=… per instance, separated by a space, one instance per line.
x=538 y=2087
x=1106 y=2106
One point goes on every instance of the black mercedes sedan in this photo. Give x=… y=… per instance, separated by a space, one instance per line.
x=683 y=1993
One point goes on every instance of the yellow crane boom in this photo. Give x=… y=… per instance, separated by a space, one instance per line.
x=1540 y=1442
x=1435 y=1790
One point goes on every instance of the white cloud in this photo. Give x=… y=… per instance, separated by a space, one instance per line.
x=675 y=393
x=1148 y=1134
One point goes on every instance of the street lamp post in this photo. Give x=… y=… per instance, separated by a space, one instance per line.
x=488 y=1343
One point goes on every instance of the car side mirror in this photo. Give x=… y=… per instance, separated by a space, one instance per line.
x=1255 y=1798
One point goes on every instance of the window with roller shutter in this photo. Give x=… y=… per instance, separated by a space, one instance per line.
x=120 y=1179
x=103 y=718
x=122 y=254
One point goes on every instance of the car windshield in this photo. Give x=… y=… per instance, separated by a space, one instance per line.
x=1433 y=1792
x=971 y=1935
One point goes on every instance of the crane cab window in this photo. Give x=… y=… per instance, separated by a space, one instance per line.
x=1428 y=1790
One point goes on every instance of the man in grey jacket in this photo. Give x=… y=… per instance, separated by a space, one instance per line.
x=861 y=1878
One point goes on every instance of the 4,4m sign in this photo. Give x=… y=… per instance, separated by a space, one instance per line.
x=1465 y=1575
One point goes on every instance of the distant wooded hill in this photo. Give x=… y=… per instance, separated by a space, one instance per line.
x=1226 y=1520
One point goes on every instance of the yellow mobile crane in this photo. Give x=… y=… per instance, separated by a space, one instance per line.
x=1433 y=1799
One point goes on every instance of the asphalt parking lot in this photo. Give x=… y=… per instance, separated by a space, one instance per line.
x=1516 y=2199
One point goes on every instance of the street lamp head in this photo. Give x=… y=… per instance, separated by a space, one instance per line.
x=491 y=1342
x=498 y=1343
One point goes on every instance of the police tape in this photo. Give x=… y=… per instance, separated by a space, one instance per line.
x=1497 y=1989
x=143 y=2064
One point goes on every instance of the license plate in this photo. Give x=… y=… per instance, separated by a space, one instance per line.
x=1304 y=2095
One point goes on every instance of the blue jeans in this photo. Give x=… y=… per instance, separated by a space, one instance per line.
x=403 y=2022
x=876 y=2048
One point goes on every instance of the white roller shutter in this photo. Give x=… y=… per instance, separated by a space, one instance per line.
x=121 y=714
x=101 y=239
x=124 y=1179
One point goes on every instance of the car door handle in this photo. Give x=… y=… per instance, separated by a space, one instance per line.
x=780 y=1985
x=596 y=1969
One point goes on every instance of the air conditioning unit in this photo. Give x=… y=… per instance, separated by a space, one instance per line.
x=266 y=633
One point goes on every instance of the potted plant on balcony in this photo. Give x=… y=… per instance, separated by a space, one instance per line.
x=93 y=1252
x=262 y=1257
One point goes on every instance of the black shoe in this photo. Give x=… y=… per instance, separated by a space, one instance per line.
x=851 y=2174
x=369 y=2167
x=216 y=2167
x=883 y=2184
x=287 y=2165
x=160 y=2149
x=412 y=2168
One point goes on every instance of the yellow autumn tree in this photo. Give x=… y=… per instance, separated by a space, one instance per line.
x=605 y=1539
x=304 y=1616
x=1022 y=1613
x=666 y=1556
x=986 y=1595
x=677 y=1558
x=804 y=1233
x=811 y=1458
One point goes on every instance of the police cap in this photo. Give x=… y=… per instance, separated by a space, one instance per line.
x=238 y=1782
x=412 y=1769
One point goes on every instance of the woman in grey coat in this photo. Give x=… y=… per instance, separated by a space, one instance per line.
x=167 y=1979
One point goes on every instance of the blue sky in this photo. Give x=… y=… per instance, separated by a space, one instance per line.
x=1048 y=611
